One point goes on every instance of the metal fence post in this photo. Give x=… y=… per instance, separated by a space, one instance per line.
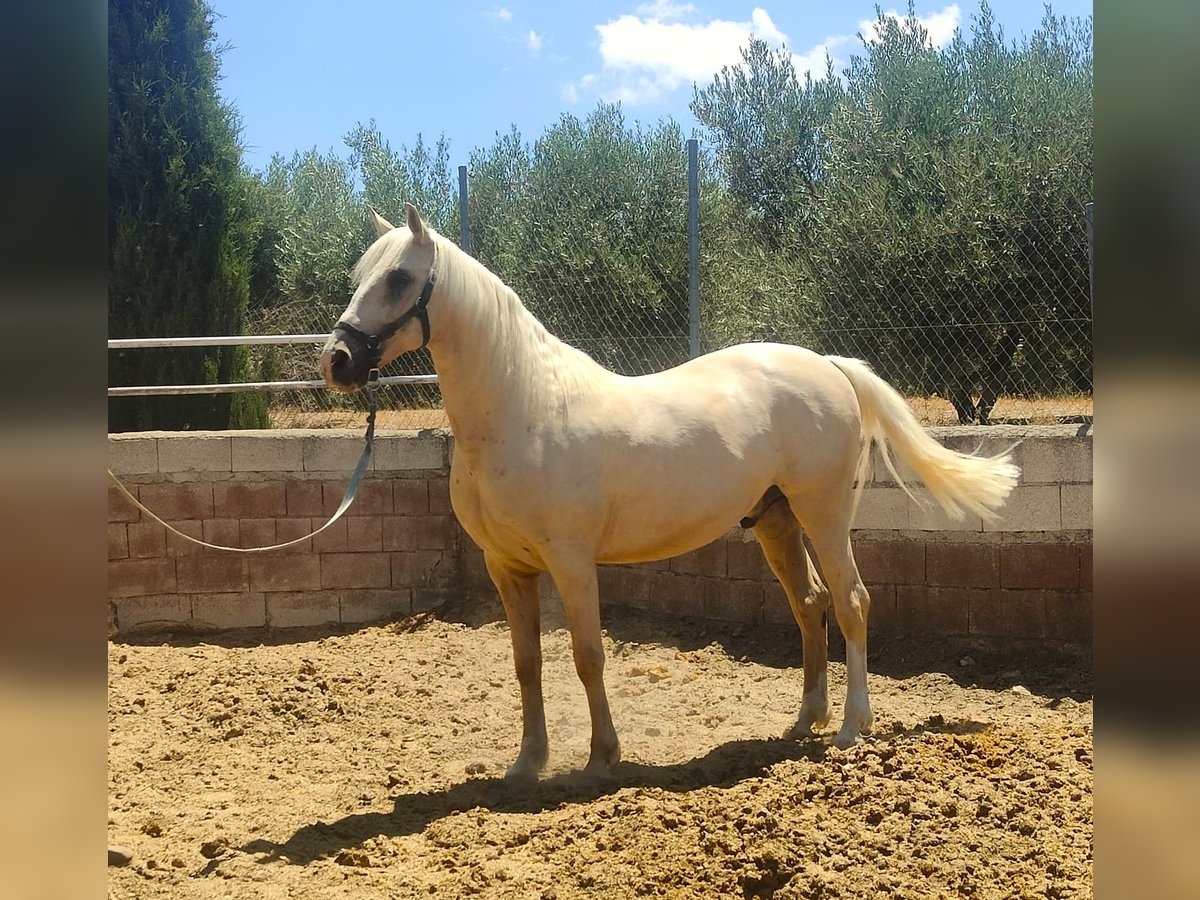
x=693 y=247
x=464 y=219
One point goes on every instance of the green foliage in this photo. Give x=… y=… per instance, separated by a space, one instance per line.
x=931 y=217
x=420 y=176
x=769 y=130
x=311 y=215
x=312 y=226
x=178 y=233
x=588 y=226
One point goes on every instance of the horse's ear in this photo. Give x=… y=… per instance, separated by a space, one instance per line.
x=415 y=224
x=382 y=225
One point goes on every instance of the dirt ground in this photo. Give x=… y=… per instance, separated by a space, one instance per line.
x=366 y=763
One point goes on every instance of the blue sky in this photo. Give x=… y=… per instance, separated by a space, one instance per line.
x=302 y=74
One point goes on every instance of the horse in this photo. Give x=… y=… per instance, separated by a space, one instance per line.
x=561 y=464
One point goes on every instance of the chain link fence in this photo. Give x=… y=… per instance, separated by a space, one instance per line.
x=975 y=318
x=402 y=406
x=980 y=323
x=625 y=306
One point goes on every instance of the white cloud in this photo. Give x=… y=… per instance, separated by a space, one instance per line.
x=533 y=42
x=940 y=25
x=664 y=47
x=647 y=55
x=503 y=14
x=764 y=28
x=813 y=62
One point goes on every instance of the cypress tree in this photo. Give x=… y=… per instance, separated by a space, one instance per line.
x=177 y=222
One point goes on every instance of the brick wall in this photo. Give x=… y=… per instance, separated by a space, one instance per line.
x=394 y=552
x=1027 y=576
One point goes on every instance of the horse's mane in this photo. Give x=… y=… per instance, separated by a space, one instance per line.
x=503 y=334
x=532 y=357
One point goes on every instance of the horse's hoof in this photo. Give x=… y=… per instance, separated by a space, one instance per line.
x=809 y=724
x=524 y=771
x=846 y=739
x=602 y=764
x=598 y=770
x=520 y=776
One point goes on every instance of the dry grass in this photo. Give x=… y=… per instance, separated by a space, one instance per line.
x=1069 y=409
x=930 y=411
x=385 y=420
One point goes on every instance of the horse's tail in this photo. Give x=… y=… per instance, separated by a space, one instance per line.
x=957 y=481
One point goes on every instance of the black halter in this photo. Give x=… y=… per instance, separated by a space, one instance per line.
x=374 y=342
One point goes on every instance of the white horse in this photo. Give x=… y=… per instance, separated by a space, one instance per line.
x=560 y=464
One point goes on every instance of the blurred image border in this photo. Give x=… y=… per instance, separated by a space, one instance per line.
x=1146 y=292
x=52 y=447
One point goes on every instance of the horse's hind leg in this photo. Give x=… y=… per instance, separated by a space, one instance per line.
x=782 y=543
x=827 y=522
x=519 y=594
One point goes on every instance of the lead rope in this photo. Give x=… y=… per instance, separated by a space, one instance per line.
x=347 y=499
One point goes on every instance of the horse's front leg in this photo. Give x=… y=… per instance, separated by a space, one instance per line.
x=576 y=581
x=519 y=594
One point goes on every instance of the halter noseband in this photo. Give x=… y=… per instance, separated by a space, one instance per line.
x=374 y=342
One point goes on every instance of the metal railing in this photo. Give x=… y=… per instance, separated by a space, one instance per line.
x=234 y=341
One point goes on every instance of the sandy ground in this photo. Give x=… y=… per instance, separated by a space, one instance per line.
x=365 y=763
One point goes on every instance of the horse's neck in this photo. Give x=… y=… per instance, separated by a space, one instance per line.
x=498 y=368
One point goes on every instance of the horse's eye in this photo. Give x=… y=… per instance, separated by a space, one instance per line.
x=398 y=280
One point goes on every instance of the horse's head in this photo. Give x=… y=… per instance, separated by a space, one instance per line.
x=386 y=316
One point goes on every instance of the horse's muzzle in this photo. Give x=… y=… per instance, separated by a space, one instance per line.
x=344 y=362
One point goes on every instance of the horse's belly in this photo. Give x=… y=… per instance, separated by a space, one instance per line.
x=660 y=546
x=665 y=523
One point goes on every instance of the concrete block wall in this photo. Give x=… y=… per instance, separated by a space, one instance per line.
x=399 y=549
x=394 y=552
x=1025 y=577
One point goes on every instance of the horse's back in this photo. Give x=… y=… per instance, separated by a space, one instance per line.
x=786 y=386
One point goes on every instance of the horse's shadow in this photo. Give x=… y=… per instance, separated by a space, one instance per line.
x=723 y=766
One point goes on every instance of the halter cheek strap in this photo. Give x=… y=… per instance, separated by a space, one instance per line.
x=419 y=310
